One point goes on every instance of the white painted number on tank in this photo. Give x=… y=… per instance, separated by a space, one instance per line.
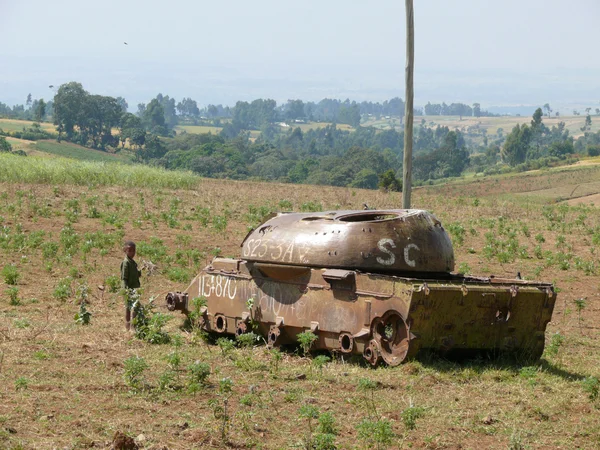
x=410 y=262
x=382 y=246
x=218 y=286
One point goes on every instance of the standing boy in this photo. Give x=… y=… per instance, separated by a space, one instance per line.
x=130 y=279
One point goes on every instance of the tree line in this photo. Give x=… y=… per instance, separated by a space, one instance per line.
x=329 y=155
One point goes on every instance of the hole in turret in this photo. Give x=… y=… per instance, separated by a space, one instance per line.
x=367 y=217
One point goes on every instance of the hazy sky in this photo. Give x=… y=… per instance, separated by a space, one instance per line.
x=221 y=51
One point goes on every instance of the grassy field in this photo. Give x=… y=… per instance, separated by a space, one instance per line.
x=18 y=125
x=198 y=129
x=74 y=151
x=255 y=133
x=490 y=124
x=68 y=385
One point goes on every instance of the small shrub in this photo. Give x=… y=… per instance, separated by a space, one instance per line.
x=556 y=343
x=219 y=223
x=49 y=250
x=247 y=340
x=21 y=323
x=458 y=233
x=410 y=416
x=285 y=205
x=83 y=317
x=464 y=268
x=41 y=355
x=63 y=289
x=591 y=386
x=320 y=361
x=13 y=295
x=306 y=340
x=149 y=324
x=113 y=282
x=375 y=433
x=166 y=381
x=274 y=362
x=134 y=369
x=21 y=383
x=11 y=274
x=226 y=345
x=179 y=275
x=199 y=373
x=311 y=207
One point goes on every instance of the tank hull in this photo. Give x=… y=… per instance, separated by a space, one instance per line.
x=380 y=316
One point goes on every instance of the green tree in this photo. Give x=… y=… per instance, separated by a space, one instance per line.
x=154 y=118
x=131 y=129
x=389 y=182
x=365 y=179
x=188 y=108
x=122 y=104
x=537 y=118
x=516 y=145
x=294 y=109
x=588 y=123
x=350 y=114
x=153 y=149
x=40 y=110
x=476 y=109
x=68 y=107
x=5 y=146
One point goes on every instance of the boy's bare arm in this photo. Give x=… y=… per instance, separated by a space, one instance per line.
x=124 y=274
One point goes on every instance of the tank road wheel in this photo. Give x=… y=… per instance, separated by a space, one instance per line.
x=242 y=328
x=392 y=335
x=273 y=336
x=371 y=352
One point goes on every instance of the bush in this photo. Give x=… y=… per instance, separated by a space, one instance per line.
x=113 y=283
x=389 y=182
x=11 y=274
x=63 y=289
x=134 y=368
x=149 y=324
x=593 y=150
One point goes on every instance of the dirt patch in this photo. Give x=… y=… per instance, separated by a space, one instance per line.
x=587 y=200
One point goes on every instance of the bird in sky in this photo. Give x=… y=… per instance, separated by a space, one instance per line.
x=125 y=43
x=51 y=86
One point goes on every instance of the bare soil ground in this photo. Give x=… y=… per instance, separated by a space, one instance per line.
x=63 y=385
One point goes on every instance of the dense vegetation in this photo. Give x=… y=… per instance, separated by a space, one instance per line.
x=261 y=140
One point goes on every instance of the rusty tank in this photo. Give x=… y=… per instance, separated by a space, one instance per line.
x=376 y=283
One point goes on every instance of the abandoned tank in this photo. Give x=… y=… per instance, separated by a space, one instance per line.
x=376 y=283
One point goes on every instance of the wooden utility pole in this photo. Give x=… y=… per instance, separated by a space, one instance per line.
x=408 y=112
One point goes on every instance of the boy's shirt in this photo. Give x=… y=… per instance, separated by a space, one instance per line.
x=130 y=275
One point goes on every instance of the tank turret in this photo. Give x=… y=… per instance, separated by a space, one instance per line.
x=390 y=241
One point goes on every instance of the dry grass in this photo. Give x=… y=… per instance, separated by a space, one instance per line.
x=62 y=385
x=18 y=125
x=491 y=124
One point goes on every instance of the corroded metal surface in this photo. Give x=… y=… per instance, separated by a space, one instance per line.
x=383 y=314
x=375 y=241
